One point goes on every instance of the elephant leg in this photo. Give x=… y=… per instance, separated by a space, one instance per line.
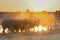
x=17 y=30
x=12 y=30
x=27 y=30
x=9 y=30
x=3 y=30
x=21 y=30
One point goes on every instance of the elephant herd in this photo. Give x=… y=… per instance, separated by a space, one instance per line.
x=16 y=25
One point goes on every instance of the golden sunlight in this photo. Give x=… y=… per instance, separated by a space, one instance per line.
x=45 y=29
x=39 y=29
x=36 y=29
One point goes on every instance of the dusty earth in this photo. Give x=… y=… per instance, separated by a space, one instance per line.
x=51 y=35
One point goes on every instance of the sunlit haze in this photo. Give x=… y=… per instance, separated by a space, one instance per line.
x=33 y=5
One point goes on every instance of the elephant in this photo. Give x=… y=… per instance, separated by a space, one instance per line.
x=10 y=24
x=26 y=24
x=18 y=24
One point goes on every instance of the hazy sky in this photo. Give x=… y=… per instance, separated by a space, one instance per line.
x=33 y=5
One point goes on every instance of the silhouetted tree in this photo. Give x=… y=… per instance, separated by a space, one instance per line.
x=57 y=13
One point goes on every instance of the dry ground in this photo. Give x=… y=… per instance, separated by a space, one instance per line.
x=51 y=35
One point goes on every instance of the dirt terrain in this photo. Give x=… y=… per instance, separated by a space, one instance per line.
x=53 y=35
